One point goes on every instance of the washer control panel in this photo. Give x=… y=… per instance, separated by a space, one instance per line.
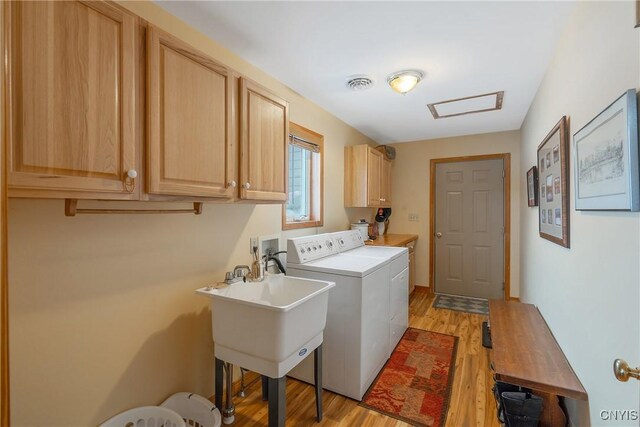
x=310 y=248
x=347 y=240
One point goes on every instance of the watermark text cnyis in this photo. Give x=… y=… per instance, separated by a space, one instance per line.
x=619 y=415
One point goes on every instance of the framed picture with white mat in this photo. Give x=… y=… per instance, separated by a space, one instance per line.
x=606 y=158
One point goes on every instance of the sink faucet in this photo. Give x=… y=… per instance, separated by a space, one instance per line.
x=239 y=269
x=239 y=273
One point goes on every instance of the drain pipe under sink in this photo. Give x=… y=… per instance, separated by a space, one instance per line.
x=229 y=411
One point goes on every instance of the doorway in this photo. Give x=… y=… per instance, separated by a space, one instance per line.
x=470 y=226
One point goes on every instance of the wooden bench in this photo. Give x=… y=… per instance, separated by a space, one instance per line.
x=525 y=353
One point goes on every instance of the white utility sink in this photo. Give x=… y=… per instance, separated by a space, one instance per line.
x=270 y=326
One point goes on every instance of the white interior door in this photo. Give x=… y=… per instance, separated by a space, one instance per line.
x=469 y=225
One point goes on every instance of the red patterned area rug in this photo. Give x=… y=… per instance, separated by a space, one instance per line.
x=415 y=384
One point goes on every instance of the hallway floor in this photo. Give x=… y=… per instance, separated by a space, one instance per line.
x=471 y=403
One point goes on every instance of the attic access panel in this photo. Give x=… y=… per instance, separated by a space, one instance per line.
x=468 y=105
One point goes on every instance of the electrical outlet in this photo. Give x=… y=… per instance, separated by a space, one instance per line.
x=253 y=243
x=414 y=217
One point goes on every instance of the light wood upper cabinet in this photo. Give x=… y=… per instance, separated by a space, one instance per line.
x=76 y=117
x=385 y=183
x=374 y=174
x=71 y=98
x=191 y=149
x=264 y=134
x=367 y=177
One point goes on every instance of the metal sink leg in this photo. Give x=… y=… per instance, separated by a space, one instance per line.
x=277 y=401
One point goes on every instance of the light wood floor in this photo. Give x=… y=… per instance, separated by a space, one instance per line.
x=471 y=403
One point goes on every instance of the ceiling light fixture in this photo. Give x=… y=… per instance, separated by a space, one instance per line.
x=404 y=81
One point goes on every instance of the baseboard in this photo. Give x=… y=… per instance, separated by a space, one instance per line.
x=516 y=299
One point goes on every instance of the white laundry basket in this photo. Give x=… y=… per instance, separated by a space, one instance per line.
x=195 y=410
x=146 y=416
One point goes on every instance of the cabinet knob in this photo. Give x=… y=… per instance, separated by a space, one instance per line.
x=130 y=180
x=383 y=200
x=232 y=184
x=246 y=185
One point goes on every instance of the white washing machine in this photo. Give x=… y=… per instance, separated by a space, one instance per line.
x=357 y=338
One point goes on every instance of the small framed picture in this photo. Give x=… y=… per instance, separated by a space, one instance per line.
x=556 y=185
x=606 y=158
x=549 y=186
x=553 y=153
x=532 y=187
x=541 y=165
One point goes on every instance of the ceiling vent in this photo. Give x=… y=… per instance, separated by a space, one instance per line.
x=469 y=105
x=359 y=82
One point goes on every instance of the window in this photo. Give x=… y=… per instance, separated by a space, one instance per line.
x=304 y=172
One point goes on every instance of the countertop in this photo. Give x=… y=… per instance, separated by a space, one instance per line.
x=392 y=240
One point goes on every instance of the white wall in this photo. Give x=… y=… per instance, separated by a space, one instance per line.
x=588 y=294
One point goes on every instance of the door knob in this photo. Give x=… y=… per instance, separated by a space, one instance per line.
x=438 y=234
x=623 y=372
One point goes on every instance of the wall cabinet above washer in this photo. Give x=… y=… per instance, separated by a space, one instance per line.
x=367 y=177
x=385 y=183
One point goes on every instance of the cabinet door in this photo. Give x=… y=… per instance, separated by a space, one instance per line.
x=72 y=75
x=264 y=138
x=374 y=172
x=355 y=176
x=190 y=120
x=385 y=183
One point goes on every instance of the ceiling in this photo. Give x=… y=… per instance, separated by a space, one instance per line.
x=464 y=49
